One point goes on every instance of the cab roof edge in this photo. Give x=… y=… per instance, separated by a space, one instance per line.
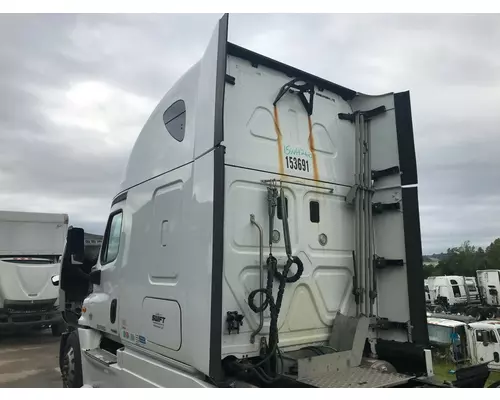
x=258 y=59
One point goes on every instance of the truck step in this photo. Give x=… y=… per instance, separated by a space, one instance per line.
x=101 y=356
x=357 y=377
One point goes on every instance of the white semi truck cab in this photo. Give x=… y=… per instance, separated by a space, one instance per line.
x=466 y=341
x=450 y=288
x=489 y=286
x=31 y=245
x=266 y=234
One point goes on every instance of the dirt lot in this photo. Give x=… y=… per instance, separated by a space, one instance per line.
x=29 y=360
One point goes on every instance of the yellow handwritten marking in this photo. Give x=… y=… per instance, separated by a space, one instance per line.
x=311 y=147
x=280 y=140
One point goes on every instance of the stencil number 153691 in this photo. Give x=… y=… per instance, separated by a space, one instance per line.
x=297 y=163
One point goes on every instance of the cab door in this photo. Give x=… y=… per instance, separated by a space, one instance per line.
x=495 y=349
x=102 y=304
x=496 y=354
x=488 y=347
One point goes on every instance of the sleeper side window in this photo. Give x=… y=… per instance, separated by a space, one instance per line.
x=314 y=212
x=455 y=287
x=111 y=243
x=174 y=119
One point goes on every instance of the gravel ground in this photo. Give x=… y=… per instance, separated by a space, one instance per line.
x=30 y=360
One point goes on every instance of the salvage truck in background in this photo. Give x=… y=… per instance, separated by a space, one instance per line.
x=31 y=245
x=266 y=234
x=464 y=295
x=446 y=292
x=464 y=341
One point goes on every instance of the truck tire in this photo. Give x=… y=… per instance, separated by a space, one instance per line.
x=490 y=313
x=71 y=370
x=474 y=312
x=57 y=329
x=439 y=309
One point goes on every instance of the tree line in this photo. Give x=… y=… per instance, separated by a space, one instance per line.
x=465 y=260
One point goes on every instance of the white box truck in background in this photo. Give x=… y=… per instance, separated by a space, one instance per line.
x=31 y=245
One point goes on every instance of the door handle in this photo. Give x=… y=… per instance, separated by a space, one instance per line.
x=112 y=311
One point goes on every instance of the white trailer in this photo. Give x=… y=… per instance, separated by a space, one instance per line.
x=266 y=233
x=31 y=245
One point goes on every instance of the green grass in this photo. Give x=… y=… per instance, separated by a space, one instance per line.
x=442 y=373
x=494 y=377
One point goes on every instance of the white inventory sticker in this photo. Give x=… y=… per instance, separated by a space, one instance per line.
x=297 y=158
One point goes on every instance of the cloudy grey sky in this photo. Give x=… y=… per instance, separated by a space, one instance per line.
x=75 y=91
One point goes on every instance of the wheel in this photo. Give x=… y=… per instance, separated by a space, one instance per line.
x=490 y=313
x=71 y=370
x=439 y=309
x=474 y=312
x=56 y=329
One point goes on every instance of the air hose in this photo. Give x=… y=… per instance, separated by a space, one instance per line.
x=282 y=277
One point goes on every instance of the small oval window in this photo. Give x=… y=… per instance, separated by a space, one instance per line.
x=174 y=119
